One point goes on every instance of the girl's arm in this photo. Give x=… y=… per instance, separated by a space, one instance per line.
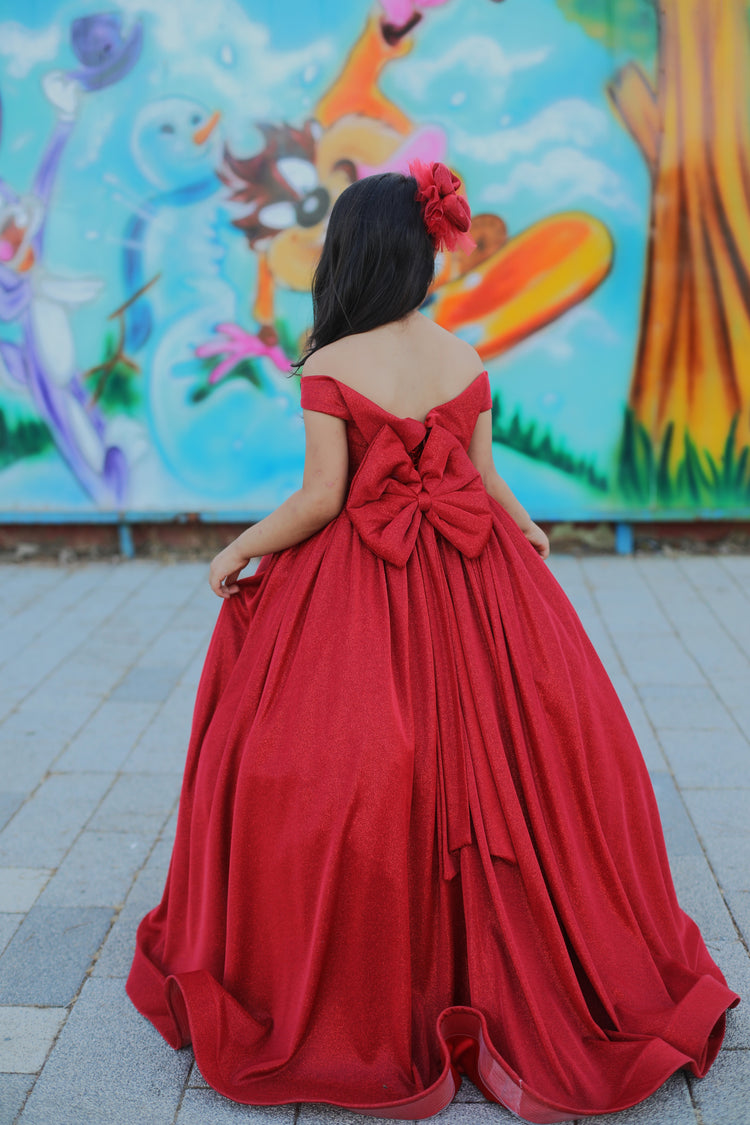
x=310 y=508
x=480 y=452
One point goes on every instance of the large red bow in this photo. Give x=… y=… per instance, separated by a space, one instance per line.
x=447 y=215
x=389 y=496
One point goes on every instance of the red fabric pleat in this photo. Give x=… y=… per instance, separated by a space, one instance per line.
x=417 y=838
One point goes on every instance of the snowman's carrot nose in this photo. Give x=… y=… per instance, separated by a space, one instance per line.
x=204 y=132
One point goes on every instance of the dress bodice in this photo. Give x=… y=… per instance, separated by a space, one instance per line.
x=365 y=418
x=403 y=470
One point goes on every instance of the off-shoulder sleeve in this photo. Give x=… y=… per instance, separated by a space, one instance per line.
x=319 y=392
x=484 y=393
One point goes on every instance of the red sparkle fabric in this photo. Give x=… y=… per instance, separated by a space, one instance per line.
x=416 y=837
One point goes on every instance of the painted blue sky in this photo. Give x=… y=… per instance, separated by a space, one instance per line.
x=519 y=90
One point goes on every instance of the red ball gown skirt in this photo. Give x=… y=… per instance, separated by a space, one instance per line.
x=417 y=838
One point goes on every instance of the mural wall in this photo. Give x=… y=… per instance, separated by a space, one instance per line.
x=166 y=171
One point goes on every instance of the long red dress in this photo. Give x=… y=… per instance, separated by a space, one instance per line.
x=416 y=835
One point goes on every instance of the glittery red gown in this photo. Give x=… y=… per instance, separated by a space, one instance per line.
x=416 y=836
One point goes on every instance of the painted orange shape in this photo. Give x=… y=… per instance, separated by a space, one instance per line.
x=533 y=279
x=206 y=129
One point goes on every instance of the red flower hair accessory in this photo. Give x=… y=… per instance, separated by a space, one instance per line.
x=447 y=215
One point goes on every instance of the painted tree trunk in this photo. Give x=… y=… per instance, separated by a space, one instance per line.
x=690 y=392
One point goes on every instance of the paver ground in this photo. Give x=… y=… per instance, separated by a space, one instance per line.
x=99 y=664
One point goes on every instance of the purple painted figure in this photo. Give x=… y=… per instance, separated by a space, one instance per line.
x=40 y=302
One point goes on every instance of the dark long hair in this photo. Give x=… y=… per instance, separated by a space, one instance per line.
x=377 y=260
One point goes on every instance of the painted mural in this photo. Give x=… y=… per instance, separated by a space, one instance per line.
x=166 y=172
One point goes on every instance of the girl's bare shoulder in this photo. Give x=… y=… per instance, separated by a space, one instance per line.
x=330 y=359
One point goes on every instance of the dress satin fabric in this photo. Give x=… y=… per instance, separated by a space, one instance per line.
x=417 y=838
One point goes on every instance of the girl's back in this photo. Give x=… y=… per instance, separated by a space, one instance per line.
x=407 y=367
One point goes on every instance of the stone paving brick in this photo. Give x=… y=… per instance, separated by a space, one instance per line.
x=669 y=1105
x=20 y=887
x=708 y=759
x=108 y=737
x=722 y=1096
x=715 y=652
x=192 y=674
x=105 y=647
x=145 y=893
x=206 y=1107
x=64 y=713
x=9 y=923
x=738 y=566
x=49 y=954
x=734 y=962
x=42 y=610
x=717 y=588
x=141 y=627
x=733 y=691
x=116 y=955
x=10 y=802
x=701 y=632
x=195 y=1078
x=147 y=684
x=721 y=818
x=94 y=680
x=170 y=828
x=13 y=1091
x=739 y=905
x=137 y=802
x=653 y=661
x=177 y=646
x=457 y=1113
x=44 y=828
x=684 y=707
x=8 y=699
x=468 y=1093
x=162 y=747
x=35 y=662
x=678 y=831
x=97 y=871
x=652 y=752
x=30 y=744
x=146 y=890
x=109 y=1065
x=26 y=1035
x=699 y=897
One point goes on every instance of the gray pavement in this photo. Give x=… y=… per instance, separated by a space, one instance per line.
x=98 y=668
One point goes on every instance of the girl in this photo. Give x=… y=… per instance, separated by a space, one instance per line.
x=416 y=838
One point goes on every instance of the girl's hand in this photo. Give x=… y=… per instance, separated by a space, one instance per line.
x=537 y=538
x=225 y=570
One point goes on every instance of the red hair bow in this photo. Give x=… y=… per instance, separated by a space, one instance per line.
x=447 y=215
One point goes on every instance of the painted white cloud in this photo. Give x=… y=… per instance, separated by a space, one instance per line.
x=24 y=48
x=586 y=323
x=235 y=56
x=476 y=54
x=95 y=137
x=564 y=175
x=571 y=121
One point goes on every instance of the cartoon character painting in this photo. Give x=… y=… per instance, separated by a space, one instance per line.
x=41 y=302
x=504 y=290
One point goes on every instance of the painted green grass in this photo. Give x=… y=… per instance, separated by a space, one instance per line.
x=22 y=437
x=247 y=369
x=115 y=382
x=525 y=438
x=645 y=475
